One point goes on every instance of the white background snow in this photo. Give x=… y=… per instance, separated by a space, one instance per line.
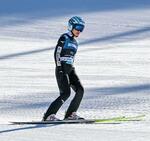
x=113 y=63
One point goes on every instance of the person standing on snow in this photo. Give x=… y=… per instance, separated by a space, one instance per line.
x=66 y=76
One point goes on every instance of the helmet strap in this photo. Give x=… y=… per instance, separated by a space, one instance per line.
x=72 y=33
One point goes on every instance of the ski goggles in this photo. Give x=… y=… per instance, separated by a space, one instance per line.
x=79 y=27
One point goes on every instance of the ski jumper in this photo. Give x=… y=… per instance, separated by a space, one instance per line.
x=66 y=76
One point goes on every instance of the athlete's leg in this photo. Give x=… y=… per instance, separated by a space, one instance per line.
x=79 y=91
x=64 y=88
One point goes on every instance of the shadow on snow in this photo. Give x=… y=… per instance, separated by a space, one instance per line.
x=119 y=89
x=25 y=128
x=58 y=7
x=101 y=39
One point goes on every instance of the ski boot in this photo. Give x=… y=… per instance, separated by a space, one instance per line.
x=73 y=116
x=51 y=117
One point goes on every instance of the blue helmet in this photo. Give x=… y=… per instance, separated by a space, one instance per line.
x=76 y=23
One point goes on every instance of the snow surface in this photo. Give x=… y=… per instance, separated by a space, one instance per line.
x=113 y=63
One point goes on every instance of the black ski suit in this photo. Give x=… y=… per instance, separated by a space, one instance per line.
x=66 y=76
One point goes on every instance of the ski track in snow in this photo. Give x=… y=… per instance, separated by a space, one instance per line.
x=113 y=63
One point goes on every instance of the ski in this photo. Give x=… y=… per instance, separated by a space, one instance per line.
x=55 y=122
x=108 y=120
x=114 y=120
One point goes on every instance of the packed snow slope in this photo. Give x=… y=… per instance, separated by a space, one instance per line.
x=113 y=63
